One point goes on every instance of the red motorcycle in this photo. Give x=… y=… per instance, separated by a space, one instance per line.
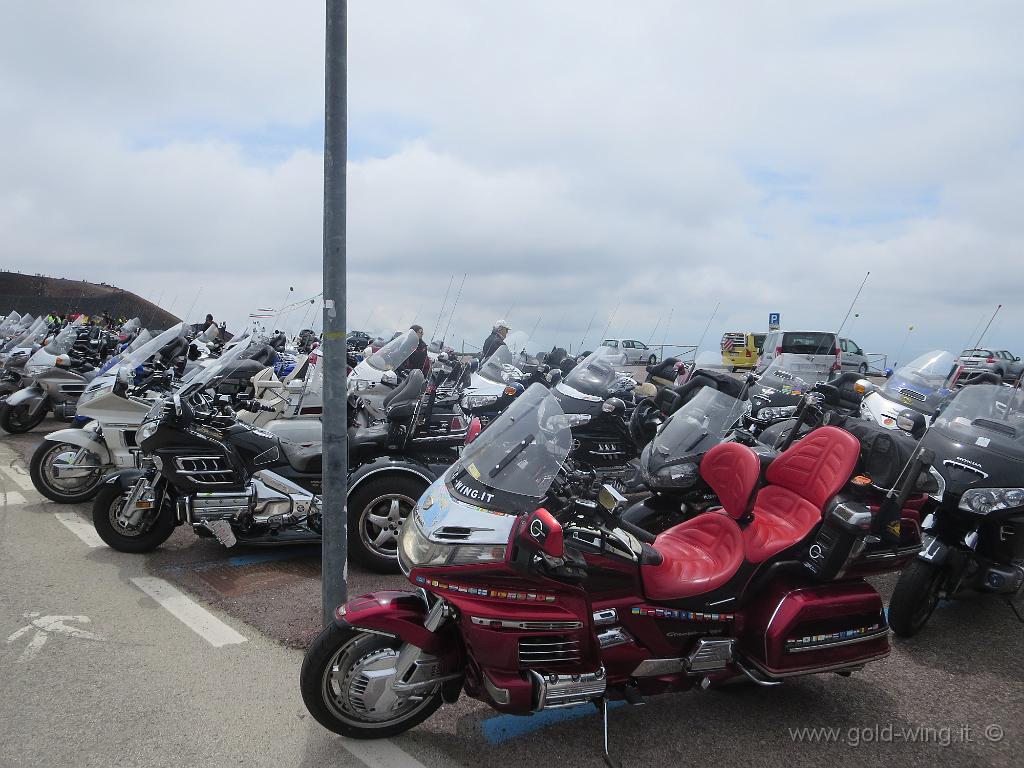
x=528 y=609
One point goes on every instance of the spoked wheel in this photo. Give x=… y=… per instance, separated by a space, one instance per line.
x=79 y=482
x=652 y=359
x=915 y=597
x=106 y=519
x=347 y=683
x=17 y=419
x=376 y=511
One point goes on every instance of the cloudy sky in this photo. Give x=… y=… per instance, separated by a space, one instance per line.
x=584 y=163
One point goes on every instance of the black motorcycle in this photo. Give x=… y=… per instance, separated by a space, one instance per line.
x=974 y=540
x=202 y=467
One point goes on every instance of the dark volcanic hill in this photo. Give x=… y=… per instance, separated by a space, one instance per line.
x=39 y=295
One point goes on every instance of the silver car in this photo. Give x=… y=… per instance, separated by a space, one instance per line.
x=997 y=361
x=636 y=352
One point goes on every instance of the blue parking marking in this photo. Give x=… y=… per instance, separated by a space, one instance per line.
x=269 y=557
x=506 y=727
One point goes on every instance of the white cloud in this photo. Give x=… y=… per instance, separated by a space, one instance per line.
x=573 y=156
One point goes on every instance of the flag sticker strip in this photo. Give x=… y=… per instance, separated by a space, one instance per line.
x=847 y=634
x=532 y=597
x=669 y=613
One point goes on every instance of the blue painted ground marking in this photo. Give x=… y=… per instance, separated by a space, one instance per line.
x=506 y=727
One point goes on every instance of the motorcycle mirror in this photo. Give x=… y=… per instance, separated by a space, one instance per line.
x=888 y=373
x=912 y=423
x=193 y=352
x=177 y=404
x=542 y=531
x=609 y=498
x=614 y=405
x=863 y=387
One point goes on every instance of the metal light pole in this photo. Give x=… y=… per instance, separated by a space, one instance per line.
x=335 y=433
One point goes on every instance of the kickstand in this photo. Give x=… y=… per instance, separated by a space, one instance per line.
x=604 y=719
x=1016 y=611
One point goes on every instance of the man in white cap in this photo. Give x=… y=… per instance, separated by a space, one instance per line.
x=495 y=340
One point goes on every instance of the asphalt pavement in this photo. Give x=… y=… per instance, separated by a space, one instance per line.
x=190 y=656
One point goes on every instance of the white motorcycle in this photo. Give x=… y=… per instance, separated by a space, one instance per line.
x=69 y=465
x=922 y=385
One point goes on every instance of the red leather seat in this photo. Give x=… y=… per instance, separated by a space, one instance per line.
x=698 y=556
x=704 y=553
x=800 y=483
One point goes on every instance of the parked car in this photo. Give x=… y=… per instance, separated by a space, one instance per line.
x=853 y=357
x=636 y=352
x=998 y=361
x=741 y=350
x=358 y=340
x=802 y=351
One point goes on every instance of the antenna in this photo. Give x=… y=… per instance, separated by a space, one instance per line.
x=440 y=312
x=584 y=337
x=980 y=338
x=857 y=296
x=701 y=340
x=610 y=318
x=454 y=305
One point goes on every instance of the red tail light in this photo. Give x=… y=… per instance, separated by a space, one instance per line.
x=838 y=364
x=456 y=424
x=991 y=359
x=747 y=353
x=474 y=430
x=778 y=350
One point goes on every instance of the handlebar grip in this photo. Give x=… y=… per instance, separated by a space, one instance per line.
x=645 y=536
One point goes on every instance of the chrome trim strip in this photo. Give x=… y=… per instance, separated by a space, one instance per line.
x=836 y=643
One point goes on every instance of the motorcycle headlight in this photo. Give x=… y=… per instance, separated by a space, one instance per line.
x=356 y=385
x=417 y=551
x=678 y=475
x=146 y=431
x=773 y=414
x=469 y=402
x=981 y=501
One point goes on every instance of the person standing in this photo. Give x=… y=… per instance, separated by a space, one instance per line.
x=495 y=340
x=418 y=359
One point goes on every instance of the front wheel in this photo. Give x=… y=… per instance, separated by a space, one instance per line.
x=652 y=359
x=863 y=370
x=346 y=683
x=44 y=468
x=17 y=419
x=915 y=597
x=105 y=511
x=376 y=510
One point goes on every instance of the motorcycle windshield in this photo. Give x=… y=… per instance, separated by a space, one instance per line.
x=922 y=383
x=990 y=416
x=777 y=378
x=597 y=374
x=697 y=426
x=131 y=326
x=519 y=453
x=395 y=352
x=142 y=353
x=222 y=366
x=62 y=342
x=499 y=368
x=34 y=335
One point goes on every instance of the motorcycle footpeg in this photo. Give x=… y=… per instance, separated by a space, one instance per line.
x=222 y=530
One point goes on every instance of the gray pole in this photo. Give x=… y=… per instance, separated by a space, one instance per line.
x=335 y=419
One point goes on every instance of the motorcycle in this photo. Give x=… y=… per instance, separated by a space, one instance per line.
x=599 y=401
x=921 y=385
x=974 y=539
x=374 y=378
x=529 y=596
x=200 y=466
x=68 y=465
x=53 y=381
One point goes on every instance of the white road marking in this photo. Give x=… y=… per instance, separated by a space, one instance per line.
x=44 y=626
x=13 y=497
x=380 y=753
x=22 y=481
x=80 y=528
x=188 y=612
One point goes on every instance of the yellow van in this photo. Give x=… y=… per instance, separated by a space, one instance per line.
x=741 y=350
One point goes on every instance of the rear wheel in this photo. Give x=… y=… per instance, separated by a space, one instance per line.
x=50 y=456
x=915 y=597
x=376 y=510
x=105 y=509
x=17 y=420
x=346 y=684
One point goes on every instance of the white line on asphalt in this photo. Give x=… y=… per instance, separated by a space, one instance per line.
x=13 y=497
x=380 y=753
x=80 y=528
x=22 y=481
x=189 y=613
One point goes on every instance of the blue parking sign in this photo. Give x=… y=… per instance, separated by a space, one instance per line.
x=773 y=321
